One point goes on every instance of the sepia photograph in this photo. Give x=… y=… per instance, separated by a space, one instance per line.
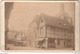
x=39 y=25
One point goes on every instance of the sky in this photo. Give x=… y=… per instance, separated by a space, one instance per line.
x=24 y=12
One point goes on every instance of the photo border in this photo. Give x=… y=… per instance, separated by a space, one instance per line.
x=76 y=27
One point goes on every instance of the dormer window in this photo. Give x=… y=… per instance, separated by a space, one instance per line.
x=59 y=23
x=64 y=24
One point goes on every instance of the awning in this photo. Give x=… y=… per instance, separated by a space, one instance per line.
x=39 y=39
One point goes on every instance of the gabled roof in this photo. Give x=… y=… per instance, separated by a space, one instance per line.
x=52 y=21
x=56 y=22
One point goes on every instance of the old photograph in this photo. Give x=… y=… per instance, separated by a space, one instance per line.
x=39 y=25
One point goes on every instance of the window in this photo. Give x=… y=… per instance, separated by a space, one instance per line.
x=63 y=32
x=59 y=32
x=48 y=30
x=48 y=35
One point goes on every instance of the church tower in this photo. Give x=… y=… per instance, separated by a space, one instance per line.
x=63 y=14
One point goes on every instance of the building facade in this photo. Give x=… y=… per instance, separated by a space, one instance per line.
x=56 y=32
x=51 y=32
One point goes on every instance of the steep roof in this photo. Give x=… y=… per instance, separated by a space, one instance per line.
x=36 y=20
x=56 y=22
x=52 y=21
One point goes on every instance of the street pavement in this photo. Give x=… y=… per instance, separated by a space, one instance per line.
x=13 y=47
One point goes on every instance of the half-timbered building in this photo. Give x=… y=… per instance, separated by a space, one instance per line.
x=47 y=31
